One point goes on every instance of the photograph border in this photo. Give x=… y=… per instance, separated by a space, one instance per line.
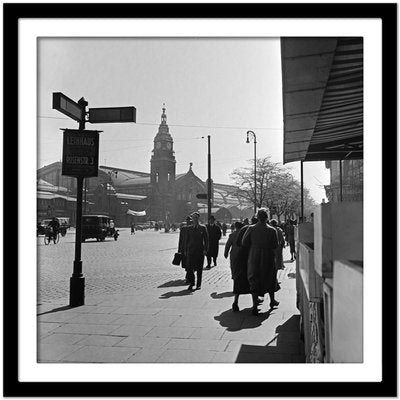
x=11 y=15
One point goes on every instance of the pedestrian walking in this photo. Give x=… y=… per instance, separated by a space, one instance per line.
x=238 y=263
x=224 y=228
x=196 y=248
x=281 y=245
x=290 y=238
x=262 y=241
x=132 y=228
x=214 y=235
x=182 y=244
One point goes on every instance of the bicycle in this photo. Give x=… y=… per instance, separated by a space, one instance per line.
x=50 y=235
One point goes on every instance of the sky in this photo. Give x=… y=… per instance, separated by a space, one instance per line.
x=220 y=87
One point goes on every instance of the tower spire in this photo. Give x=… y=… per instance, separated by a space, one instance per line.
x=163 y=116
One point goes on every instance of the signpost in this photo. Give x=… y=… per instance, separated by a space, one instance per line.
x=81 y=160
x=80 y=153
x=112 y=114
x=68 y=107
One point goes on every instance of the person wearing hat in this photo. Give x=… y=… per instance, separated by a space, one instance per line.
x=214 y=235
x=262 y=240
x=196 y=237
x=182 y=243
x=290 y=239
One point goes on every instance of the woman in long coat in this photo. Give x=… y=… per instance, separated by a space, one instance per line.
x=238 y=262
x=281 y=244
x=261 y=272
x=214 y=235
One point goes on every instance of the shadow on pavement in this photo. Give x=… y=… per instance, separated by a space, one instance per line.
x=233 y=321
x=216 y=295
x=184 y=292
x=287 y=334
x=178 y=282
x=63 y=308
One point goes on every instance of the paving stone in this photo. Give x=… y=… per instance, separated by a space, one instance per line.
x=95 y=318
x=54 y=351
x=94 y=309
x=207 y=333
x=146 y=320
x=197 y=344
x=171 y=332
x=46 y=327
x=225 y=357
x=131 y=330
x=62 y=338
x=262 y=347
x=258 y=357
x=146 y=355
x=146 y=342
x=98 y=354
x=101 y=340
x=185 y=312
x=60 y=317
x=195 y=321
x=136 y=311
x=186 y=356
x=86 y=329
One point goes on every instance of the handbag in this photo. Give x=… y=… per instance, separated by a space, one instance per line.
x=178 y=257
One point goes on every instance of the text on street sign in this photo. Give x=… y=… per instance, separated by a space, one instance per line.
x=67 y=106
x=80 y=153
x=112 y=114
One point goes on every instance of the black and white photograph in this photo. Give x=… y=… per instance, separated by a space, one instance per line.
x=201 y=192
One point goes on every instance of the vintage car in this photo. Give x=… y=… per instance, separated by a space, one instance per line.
x=97 y=227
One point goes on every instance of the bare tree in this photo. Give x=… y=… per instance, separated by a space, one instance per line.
x=277 y=189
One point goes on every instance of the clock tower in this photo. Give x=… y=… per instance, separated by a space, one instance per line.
x=162 y=173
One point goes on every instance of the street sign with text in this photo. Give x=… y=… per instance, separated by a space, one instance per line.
x=80 y=153
x=68 y=107
x=112 y=114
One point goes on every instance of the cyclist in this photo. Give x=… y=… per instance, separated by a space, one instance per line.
x=55 y=225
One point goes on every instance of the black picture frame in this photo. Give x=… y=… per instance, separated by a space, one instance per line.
x=12 y=12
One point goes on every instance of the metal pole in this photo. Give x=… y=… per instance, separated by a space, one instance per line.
x=77 y=280
x=301 y=191
x=340 y=180
x=85 y=186
x=255 y=175
x=209 y=179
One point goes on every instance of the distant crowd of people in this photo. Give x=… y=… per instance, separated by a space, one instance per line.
x=254 y=250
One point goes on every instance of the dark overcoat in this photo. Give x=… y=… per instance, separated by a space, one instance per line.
x=214 y=234
x=262 y=241
x=196 y=243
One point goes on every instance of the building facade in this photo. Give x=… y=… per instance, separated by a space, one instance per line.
x=161 y=194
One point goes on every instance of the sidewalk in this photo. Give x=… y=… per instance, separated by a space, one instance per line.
x=169 y=324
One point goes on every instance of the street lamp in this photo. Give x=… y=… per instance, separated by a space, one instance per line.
x=209 y=177
x=255 y=167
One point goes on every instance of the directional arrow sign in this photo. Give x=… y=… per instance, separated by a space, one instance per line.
x=112 y=114
x=67 y=106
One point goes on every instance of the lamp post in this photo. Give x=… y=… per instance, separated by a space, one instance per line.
x=110 y=173
x=255 y=166
x=209 y=178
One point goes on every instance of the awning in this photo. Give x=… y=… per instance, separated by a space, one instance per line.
x=136 y=213
x=126 y=196
x=51 y=196
x=322 y=98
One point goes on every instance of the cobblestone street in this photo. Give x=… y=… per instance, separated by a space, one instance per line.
x=137 y=261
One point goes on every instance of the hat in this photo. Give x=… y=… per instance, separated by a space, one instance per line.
x=188 y=218
x=212 y=217
x=262 y=213
x=195 y=214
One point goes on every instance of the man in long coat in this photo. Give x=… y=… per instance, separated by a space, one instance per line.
x=262 y=240
x=182 y=248
x=196 y=248
x=214 y=235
